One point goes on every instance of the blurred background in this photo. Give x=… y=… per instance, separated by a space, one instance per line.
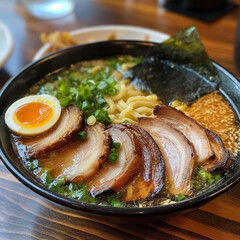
x=161 y=15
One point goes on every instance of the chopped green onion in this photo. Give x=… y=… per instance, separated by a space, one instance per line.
x=180 y=197
x=111 y=82
x=211 y=180
x=204 y=175
x=46 y=178
x=61 y=181
x=81 y=93
x=49 y=86
x=112 y=91
x=116 y=203
x=73 y=76
x=32 y=164
x=102 y=86
x=196 y=185
x=86 y=87
x=72 y=186
x=208 y=175
x=101 y=102
x=64 y=102
x=88 y=93
x=217 y=177
x=113 y=150
x=63 y=89
x=85 y=106
x=113 y=157
x=35 y=163
x=91 y=120
x=125 y=121
x=81 y=135
x=102 y=116
x=116 y=145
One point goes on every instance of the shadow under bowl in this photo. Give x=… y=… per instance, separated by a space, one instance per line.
x=18 y=85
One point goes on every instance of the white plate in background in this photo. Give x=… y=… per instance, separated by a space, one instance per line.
x=6 y=43
x=100 y=33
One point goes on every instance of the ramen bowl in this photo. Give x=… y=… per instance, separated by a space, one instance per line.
x=21 y=83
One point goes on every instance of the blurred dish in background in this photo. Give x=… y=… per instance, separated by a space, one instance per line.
x=57 y=40
x=48 y=9
x=6 y=43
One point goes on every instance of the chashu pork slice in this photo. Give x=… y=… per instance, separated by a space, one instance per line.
x=193 y=131
x=221 y=155
x=69 y=123
x=150 y=179
x=178 y=154
x=115 y=175
x=80 y=160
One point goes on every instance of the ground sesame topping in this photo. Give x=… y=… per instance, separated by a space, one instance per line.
x=212 y=111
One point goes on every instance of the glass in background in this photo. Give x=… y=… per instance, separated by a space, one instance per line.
x=48 y=9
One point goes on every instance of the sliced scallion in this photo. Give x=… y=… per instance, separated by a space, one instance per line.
x=180 y=197
x=113 y=157
x=85 y=106
x=102 y=86
x=91 y=120
x=196 y=185
x=211 y=180
x=217 y=177
x=81 y=135
x=112 y=91
x=116 y=145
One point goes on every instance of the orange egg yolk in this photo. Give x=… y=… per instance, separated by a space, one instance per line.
x=34 y=114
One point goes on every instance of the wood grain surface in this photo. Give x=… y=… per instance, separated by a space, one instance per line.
x=26 y=215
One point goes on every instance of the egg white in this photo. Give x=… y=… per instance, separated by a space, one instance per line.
x=49 y=100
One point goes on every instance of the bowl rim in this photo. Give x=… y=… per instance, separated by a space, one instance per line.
x=109 y=210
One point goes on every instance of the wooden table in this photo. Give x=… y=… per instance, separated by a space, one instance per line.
x=26 y=215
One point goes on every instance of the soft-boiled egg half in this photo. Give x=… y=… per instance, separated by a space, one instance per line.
x=33 y=115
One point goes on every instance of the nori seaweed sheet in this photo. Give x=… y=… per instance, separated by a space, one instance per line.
x=177 y=69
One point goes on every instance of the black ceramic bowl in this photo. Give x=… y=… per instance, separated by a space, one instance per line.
x=18 y=85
